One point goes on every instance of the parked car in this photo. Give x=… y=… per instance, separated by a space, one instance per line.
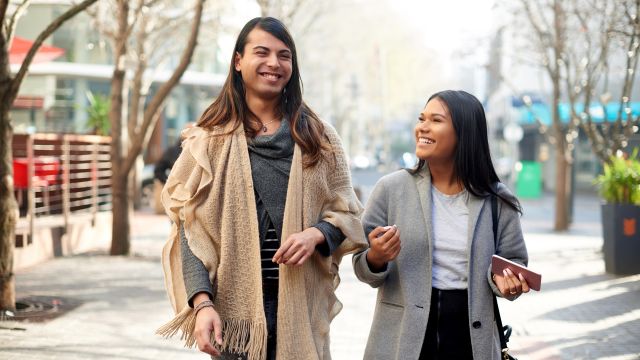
x=146 y=187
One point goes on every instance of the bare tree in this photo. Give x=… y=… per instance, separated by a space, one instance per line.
x=547 y=19
x=607 y=44
x=298 y=15
x=9 y=86
x=576 y=42
x=138 y=35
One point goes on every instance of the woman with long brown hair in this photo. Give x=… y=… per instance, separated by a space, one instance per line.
x=263 y=211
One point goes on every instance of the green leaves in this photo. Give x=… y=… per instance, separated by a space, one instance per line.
x=620 y=182
x=98 y=111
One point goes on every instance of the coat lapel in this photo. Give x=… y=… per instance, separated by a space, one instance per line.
x=423 y=183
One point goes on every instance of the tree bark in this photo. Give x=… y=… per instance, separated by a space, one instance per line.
x=120 y=241
x=121 y=208
x=8 y=207
x=8 y=204
x=561 y=222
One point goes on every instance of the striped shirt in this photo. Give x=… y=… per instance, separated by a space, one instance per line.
x=270 y=245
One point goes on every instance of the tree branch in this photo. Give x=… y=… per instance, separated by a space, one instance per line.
x=542 y=36
x=137 y=13
x=17 y=80
x=11 y=25
x=100 y=25
x=136 y=85
x=151 y=112
x=4 y=5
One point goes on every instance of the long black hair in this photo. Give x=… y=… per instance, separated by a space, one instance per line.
x=472 y=158
x=306 y=128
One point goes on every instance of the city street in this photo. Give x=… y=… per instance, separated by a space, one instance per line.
x=104 y=101
x=581 y=312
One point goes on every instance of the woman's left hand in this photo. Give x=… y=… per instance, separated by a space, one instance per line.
x=510 y=284
x=298 y=247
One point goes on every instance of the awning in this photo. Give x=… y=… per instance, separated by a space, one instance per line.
x=28 y=102
x=20 y=47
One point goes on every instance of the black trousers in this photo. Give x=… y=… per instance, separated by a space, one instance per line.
x=270 y=297
x=447 y=334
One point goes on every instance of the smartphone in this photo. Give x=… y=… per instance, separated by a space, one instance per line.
x=498 y=264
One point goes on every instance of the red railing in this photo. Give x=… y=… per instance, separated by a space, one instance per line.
x=57 y=176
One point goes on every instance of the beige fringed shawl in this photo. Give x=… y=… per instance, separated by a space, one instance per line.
x=210 y=191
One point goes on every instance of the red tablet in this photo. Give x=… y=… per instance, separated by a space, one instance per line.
x=498 y=264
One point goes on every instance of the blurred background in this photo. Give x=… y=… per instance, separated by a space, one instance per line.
x=557 y=80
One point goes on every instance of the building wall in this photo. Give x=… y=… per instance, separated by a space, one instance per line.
x=65 y=95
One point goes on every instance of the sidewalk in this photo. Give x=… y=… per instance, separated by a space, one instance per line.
x=123 y=302
x=581 y=312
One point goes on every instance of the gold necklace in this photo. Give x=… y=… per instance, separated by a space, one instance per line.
x=264 y=125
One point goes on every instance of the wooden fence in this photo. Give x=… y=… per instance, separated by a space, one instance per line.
x=59 y=179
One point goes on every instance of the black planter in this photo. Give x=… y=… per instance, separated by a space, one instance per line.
x=621 y=230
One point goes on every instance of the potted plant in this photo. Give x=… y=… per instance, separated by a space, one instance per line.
x=98 y=114
x=619 y=186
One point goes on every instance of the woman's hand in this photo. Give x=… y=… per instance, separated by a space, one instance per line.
x=510 y=285
x=384 y=246
x=298 y=247
x=207 y=321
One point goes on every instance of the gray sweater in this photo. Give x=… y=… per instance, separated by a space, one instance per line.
x=270 y=157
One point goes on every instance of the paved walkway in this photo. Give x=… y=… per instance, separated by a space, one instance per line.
x=582 y=313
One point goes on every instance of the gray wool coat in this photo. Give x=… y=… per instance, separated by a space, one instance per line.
x=404 y=288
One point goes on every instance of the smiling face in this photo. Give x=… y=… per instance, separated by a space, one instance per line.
x=436 y=139
x=265 y=65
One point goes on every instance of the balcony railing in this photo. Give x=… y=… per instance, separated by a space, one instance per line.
x=59 y=179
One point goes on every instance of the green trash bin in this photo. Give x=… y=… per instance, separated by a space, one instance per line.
x=529 y=180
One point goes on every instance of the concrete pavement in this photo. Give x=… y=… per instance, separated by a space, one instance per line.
x=581 y=312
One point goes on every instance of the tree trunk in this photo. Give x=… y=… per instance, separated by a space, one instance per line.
x=8 y=206
x=562 y=215
x=561 y=222
x=8 y=209
x=120 y=242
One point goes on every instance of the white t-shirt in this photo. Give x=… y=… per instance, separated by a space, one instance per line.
x=450 y=229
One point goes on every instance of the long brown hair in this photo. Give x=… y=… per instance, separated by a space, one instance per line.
x=306 y=128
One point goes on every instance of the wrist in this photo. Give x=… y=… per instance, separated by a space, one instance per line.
x=316 y=235
x=200 y=297
x=375 y=263
x=202 y=305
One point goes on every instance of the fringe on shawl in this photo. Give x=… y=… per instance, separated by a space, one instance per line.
x=184 y=321
x=239 y=336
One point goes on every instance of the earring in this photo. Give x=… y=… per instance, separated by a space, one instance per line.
x=284 y=94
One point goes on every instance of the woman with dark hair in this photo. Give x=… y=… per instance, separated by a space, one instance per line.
x=435 y=297
x=263 y=211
